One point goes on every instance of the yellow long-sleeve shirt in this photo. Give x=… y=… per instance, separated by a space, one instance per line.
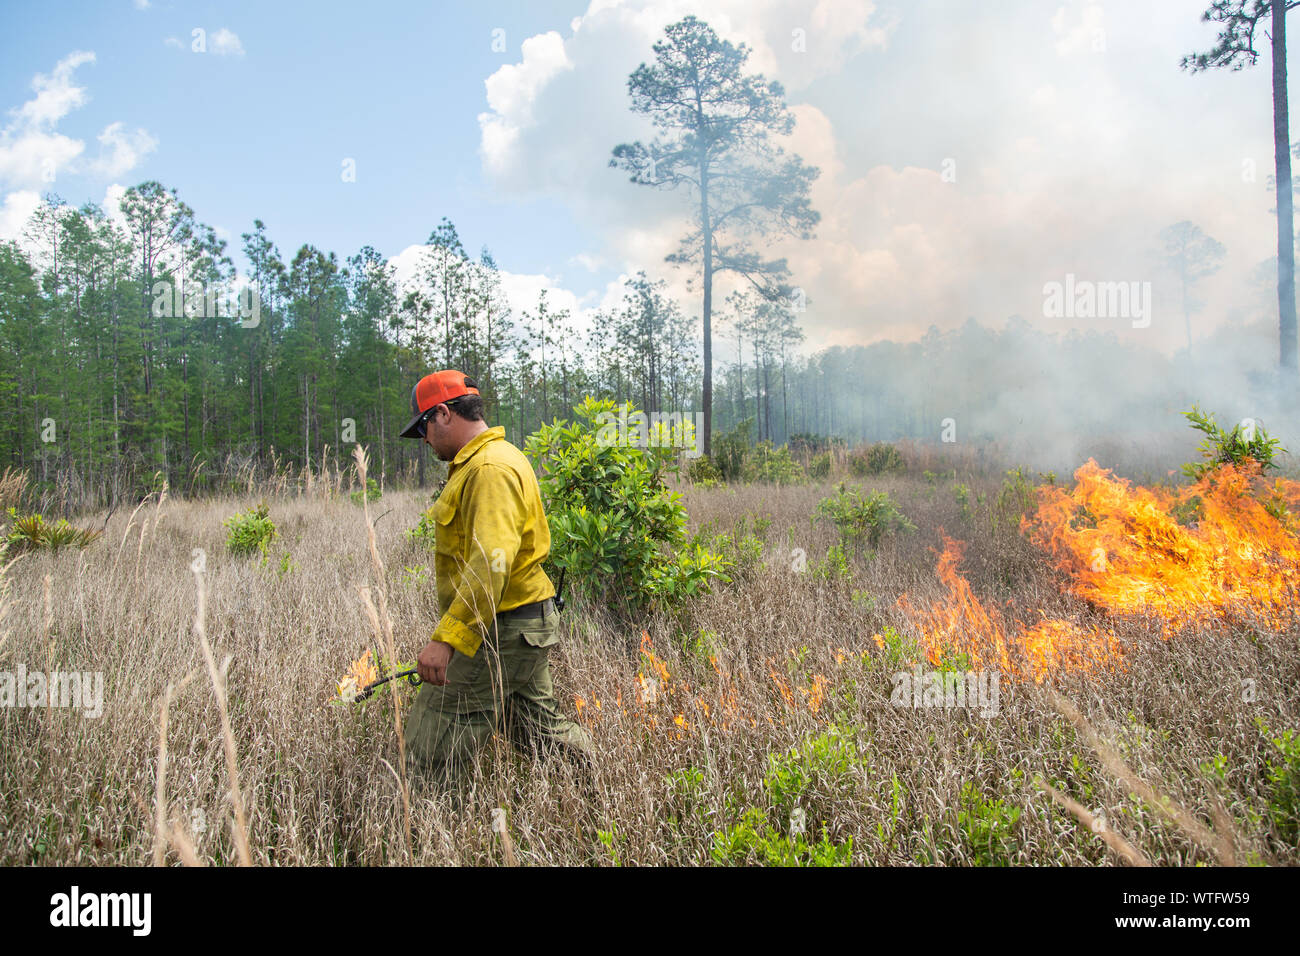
x=492 y=537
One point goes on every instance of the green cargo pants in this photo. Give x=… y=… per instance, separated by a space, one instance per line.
x=506 y=687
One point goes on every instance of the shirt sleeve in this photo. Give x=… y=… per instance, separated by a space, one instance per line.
x=492 y=511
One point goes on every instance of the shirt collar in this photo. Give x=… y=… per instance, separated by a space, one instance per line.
x=472 y=446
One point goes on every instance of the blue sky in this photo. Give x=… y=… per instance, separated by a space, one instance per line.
x=396 y=87
x=1073 y=135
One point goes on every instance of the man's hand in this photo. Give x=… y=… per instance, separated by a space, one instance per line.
x=433 y=661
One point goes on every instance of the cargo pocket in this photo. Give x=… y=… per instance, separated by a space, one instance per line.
x=539 y=634
x=532 y=647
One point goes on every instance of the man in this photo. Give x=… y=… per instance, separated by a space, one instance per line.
x=486 y=666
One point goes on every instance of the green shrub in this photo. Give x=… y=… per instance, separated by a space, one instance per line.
x=615 y=525
x=1016 y=499
x=1221 y=447
x=425 y=531
x=879 y=459
x=1283 y=771
x=835 y=567
x=703 y=471
x=250 y=531
x=741 y=552
x=372 y=492
x=731 y=451
x=827 y=764
x=820 y=466
x=755 y=840
x=988 y=827
x=862 y=520
x=803 y=780
x=961 y=494
x=33 y=532
x=416 y=576
x=899 y=651
x=774 y=466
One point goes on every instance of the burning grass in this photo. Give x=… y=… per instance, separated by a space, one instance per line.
x=756 y=726
x=1224 y=547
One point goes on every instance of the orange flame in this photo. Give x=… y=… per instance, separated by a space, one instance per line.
x=1126 y=551
x=963 y=625
x=1223 y=547
x=361 y=673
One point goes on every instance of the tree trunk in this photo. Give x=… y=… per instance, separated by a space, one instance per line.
x=1285 y=226
x=785 y=405
x=706 y=399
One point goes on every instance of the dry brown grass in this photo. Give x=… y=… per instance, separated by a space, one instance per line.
x=155 y=777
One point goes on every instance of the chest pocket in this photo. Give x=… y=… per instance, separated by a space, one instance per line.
x=443 y=513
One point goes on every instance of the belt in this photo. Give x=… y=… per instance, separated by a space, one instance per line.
x=536 y=609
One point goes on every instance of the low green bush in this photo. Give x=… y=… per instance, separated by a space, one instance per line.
x=250 y=531
x=862 y=520
x=774 y=466
x=882 y=458
x=703 y=470
x=372 y=492
x=988 y=827
x=32 y=532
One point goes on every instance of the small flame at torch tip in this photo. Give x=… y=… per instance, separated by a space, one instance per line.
x=361 y=673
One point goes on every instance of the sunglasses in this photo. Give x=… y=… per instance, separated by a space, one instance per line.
x=422 y=423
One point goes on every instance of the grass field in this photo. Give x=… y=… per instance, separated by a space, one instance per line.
x=756 y=726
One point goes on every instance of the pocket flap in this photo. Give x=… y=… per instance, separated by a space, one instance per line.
x=541 y=635
x=443 y=511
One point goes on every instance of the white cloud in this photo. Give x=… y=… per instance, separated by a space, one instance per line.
x=511 y=91
x=56 y=94
x=36 y=158
x=142 y=4
x=121 y=150
x=173 y=42
x=15 y=211
x=574 y=91
x=226 y=43
x=34 y=155
x=555 y=115
x=112 y=204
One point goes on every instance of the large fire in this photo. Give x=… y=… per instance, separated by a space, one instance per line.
x=1223 y=547
x=1126 y=550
